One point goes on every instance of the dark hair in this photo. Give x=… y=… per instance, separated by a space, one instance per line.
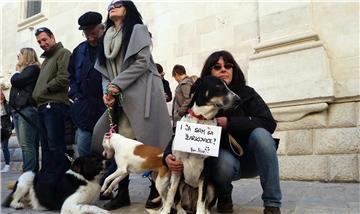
x=238 y=79
x=159 y=68
x=178 y=69
x=132 y=17
x=43 y=30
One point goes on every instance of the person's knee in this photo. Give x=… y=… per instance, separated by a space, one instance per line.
x=261 y=139
x=223 y=167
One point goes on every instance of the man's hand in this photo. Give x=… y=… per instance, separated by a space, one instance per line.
x=173 y=164
x=222 y=121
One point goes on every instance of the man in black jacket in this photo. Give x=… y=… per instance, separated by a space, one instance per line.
x=85 y=82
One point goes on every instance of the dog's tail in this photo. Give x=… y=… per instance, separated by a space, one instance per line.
x=9 y=198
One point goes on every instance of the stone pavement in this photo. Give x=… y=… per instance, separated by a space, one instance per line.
x=298 y=197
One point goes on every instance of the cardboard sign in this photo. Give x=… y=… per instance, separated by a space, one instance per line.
x=197 y=138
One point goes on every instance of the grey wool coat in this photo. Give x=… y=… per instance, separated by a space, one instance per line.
x=143 y=94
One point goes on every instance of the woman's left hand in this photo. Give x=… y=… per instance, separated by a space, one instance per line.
x=113 y=89
x=222 y=121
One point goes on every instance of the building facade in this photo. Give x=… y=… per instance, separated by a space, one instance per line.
x=302 y=58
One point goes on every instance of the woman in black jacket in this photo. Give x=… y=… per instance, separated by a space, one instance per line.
x=23 y=83
x=251 y=124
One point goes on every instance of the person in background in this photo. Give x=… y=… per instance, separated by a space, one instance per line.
x=85 y=82
x=6 y=130
x=25 y=114
x=182 y=96
x=133 y=91
x=168 y=94
x=194 y=78
x=51 y=97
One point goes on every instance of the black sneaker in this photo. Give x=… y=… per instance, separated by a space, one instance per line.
x=225 y=205
x=272 y=210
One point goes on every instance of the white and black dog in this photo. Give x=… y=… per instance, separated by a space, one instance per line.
x=72 y=191
x=210 y=94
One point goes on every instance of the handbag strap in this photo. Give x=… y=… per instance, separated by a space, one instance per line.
x=23 y=116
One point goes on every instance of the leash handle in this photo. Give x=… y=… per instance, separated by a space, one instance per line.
x=233 y=143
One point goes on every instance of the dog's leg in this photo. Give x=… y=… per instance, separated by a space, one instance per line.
x=23 y=186
x=162 y=183
x=72 y=206
x=34 y=202
x=174 y=183
x=114 y=183
x=200 y=205
x=179 y=208
x=119 y=172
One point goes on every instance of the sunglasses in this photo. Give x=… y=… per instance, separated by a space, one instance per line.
x=117 y=4
x=41 y=30
x=217 y=67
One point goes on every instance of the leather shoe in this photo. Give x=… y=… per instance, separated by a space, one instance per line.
x=225 y=205
x=272 y=210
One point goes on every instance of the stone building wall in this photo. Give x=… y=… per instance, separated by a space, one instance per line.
x=301 y=57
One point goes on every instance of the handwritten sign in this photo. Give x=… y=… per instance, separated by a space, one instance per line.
x=197 y=138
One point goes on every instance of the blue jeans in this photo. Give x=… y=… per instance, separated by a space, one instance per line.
x=5 y=149
x=28 y=138
x=53 y=146
x=259 y=158
x=83 y=141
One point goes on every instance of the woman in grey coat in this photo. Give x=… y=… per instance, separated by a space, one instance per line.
x=132 y=87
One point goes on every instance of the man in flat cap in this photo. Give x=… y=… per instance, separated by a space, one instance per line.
x=85 y=82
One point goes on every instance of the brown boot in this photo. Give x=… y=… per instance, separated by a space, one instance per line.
x=224 y=204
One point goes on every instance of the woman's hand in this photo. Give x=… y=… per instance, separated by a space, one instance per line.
x=18 y=67
x=173 y=164
x=113 y=89
x=109 y=100
x=222 y=121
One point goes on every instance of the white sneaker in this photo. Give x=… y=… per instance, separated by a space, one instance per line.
x=6 y=168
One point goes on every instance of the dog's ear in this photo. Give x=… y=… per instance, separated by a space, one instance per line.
x=195 y=86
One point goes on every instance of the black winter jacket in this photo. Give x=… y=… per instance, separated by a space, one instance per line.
x=247 y=114
x=22 y=86
x=6 y=124
x=85 y=88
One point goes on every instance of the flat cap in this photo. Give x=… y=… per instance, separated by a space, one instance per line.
x=89 y=20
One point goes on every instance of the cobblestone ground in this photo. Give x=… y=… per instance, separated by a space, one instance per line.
x=298 y=197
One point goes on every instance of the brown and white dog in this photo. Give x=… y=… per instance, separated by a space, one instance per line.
x=132 y=156
x=210 y=95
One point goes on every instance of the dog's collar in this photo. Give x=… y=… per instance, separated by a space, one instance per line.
x=200 y=117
